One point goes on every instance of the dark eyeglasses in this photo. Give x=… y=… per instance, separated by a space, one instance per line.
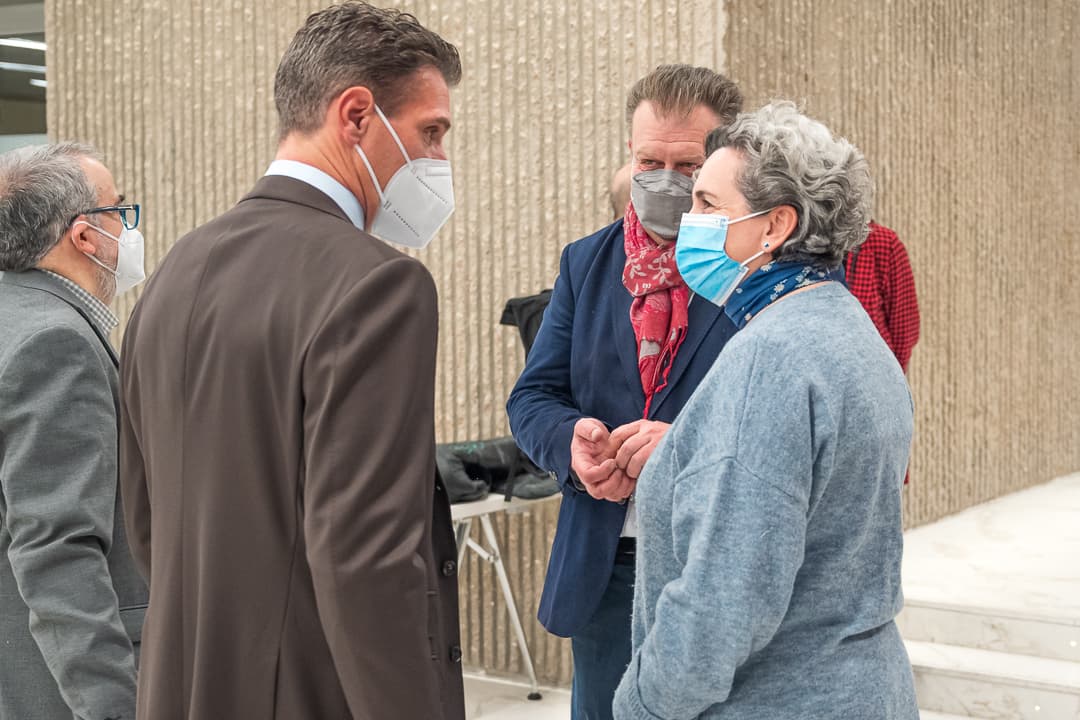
x=129 y=214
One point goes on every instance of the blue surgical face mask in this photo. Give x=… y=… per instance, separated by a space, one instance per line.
x=702 y=259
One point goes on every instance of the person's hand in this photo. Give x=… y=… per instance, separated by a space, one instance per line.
x=617 y=488
x=592 y=458
x=590 y=453
x=634 y=444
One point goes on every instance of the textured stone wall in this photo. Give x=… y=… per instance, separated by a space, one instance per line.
x=963 y=108
x=180 y=98
x=967 y=113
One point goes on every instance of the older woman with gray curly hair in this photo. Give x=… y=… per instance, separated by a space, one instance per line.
x=769 y=548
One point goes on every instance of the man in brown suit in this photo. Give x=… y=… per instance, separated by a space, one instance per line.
x=277 y=451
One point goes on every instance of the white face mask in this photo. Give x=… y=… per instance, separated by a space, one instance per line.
x=417 y=201
x=130 y=252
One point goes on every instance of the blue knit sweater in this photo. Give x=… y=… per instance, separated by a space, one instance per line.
x=769 y=546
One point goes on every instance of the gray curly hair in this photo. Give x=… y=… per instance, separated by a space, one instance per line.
x=794 y=160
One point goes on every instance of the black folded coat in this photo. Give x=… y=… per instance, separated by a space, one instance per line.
x=471 y=470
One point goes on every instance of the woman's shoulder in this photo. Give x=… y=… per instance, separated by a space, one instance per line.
x=813 y=300
x=824 y=338
x=823 y=312
x=824 y=326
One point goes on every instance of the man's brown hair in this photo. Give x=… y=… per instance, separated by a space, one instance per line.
x=352 y=44
x=678 y=89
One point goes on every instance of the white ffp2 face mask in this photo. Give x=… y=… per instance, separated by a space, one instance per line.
x=130 y=254
x=417 y=201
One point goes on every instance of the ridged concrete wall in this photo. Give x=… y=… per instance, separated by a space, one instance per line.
x=962 y=107
x=966 y=110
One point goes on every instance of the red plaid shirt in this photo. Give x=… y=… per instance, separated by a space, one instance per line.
x=879 y=274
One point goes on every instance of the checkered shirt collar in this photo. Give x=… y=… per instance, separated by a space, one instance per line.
x=99 y=312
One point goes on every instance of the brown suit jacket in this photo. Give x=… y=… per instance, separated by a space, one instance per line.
x=278 y=474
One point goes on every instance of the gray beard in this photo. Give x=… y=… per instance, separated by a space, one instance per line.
x=106 y=285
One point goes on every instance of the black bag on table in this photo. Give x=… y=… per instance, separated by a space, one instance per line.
x=471 y=470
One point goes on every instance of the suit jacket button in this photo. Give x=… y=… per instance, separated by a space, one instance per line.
x=449 y=568
x=455 y=653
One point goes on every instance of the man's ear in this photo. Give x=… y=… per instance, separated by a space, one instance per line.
x=782 y=223
x=82 y=236
x=351 y=113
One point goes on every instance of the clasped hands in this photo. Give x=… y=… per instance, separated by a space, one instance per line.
x=609 y=463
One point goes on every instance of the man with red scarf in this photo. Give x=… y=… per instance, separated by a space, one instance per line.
x=622 y=347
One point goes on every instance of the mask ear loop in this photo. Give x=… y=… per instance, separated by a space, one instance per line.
x=371 y=172
x=367 y=163
x=765 y=246
x=393 y=134
x=752 y=258
x=115 y=271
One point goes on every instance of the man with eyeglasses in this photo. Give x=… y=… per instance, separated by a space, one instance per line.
x=71 y=601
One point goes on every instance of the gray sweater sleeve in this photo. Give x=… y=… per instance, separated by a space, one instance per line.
x=740 y=540
x=59 y=496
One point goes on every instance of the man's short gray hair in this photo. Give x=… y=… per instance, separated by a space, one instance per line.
x=42 y=188
x=355 y=44
x=794 y=160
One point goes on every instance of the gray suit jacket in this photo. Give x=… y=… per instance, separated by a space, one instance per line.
x=71 y=601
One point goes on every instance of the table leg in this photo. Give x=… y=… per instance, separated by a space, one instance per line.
x=508 y=595
x=462 y=532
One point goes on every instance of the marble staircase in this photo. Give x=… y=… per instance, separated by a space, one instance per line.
x=992 y=615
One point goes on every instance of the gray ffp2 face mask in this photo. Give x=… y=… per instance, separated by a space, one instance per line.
x=660 y=197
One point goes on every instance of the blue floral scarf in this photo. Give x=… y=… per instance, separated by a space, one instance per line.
x=768 y=284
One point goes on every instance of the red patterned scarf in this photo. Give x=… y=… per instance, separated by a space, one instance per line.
x=659 y=311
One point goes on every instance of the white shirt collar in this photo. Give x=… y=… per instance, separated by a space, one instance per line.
x=319 y=180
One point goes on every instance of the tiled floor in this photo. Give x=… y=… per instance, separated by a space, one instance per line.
x=992 y=614
x=1018 y=553
x=489 y=698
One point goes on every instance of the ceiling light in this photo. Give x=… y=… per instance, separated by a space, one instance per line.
x=38 y=82
x=22 y=67
x=21 y=43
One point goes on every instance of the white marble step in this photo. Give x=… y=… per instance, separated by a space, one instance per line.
x=931 y=715
x=988 y=684
x=1006 y=631
x=1017 y=554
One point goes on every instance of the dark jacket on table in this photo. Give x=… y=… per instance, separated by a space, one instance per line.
x=71 y=600
x=278 y=471
x=584 y=364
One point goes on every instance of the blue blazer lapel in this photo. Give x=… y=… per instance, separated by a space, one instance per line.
x=703 y=315
x=623 y=332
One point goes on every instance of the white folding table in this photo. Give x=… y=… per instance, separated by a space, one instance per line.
x=463 y=515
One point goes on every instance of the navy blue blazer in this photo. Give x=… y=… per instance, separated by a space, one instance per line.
x=584 y=364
